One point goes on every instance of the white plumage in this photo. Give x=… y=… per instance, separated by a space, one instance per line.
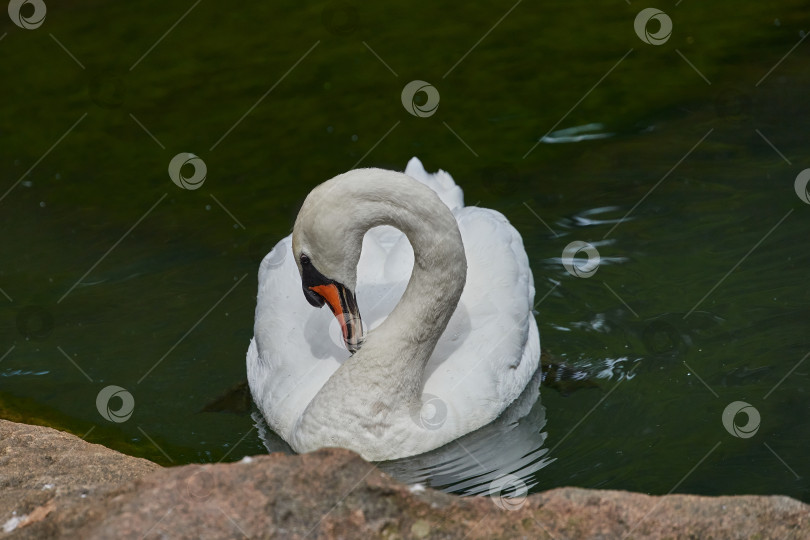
x=481 y=362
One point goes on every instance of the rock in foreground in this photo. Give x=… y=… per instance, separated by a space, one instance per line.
x=328 y=494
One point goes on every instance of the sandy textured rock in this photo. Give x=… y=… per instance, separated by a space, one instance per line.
x=42 y=470
x=334 y=494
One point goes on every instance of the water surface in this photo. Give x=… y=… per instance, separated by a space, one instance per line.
x=112 y=275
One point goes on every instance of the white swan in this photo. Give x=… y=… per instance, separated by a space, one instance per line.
x=452 y=339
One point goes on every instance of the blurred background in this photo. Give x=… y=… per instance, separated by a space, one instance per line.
x=674 y=153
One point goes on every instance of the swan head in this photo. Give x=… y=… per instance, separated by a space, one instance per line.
x=326 y=243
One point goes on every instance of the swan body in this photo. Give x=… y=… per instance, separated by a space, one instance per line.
x=444 y=292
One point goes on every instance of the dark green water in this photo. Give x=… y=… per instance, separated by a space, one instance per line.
x=701 y=298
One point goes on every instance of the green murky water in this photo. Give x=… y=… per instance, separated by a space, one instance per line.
x=112 y=275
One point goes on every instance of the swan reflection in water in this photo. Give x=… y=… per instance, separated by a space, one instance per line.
x=507 y=453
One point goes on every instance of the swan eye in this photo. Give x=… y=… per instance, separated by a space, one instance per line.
x=305 y=260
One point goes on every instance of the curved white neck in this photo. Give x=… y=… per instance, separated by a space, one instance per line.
x=385 y=375
x=413 y=328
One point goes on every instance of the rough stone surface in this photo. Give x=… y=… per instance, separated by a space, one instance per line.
x=42 y=470
x=329 y=494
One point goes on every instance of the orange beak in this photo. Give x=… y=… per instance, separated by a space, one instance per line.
x=344 y=306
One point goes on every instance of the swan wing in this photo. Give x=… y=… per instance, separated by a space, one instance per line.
x=491 y=347
x=290 y=357
x=441 y=182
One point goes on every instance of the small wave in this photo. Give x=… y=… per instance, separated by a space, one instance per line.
x=588 y=132
x=587 y=218
x=558 y=261
x=21 y=373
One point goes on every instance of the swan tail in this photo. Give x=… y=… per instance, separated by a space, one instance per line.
x=441 y=182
